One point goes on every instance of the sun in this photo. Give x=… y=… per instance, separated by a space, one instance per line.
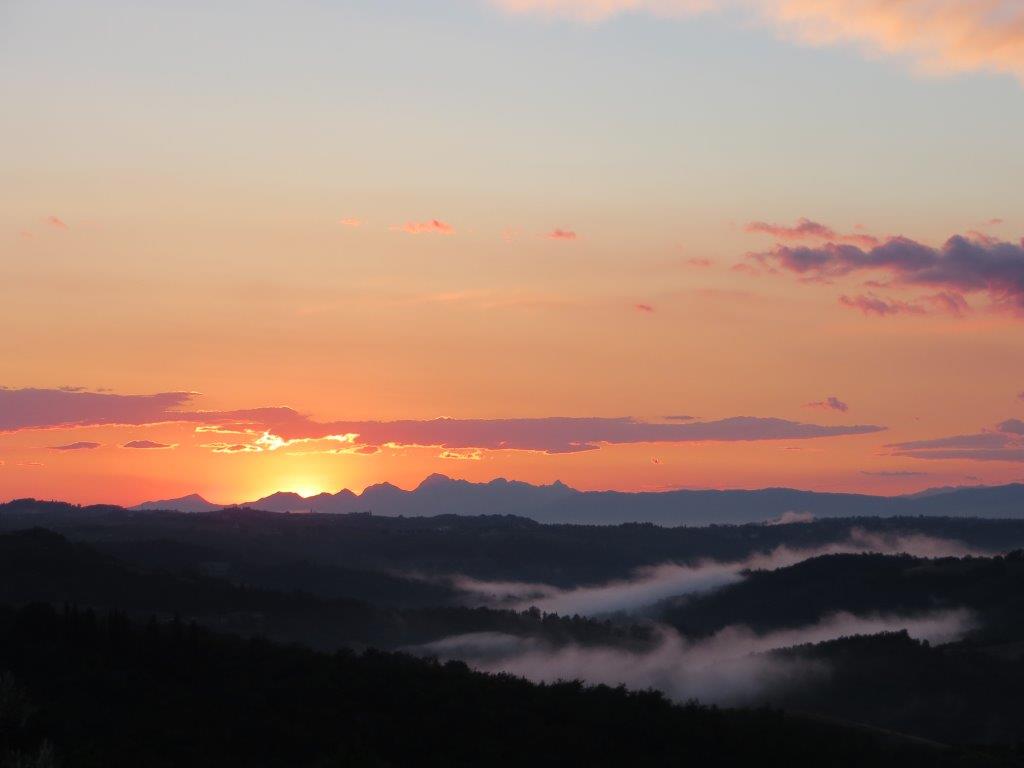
x=305 y=490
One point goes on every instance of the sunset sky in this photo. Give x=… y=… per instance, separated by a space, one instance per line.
x=630 y=244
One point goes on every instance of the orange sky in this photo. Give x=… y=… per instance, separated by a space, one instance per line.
x=333 y=210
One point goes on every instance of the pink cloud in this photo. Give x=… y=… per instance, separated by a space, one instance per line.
x=699 y=262
x=562 y=234
x=950 y=303
x=432 y=227
x=55 y=222
x=936 y=36
x=351 y=223
x=873 y=305
x=644 y=308
x=805 y=229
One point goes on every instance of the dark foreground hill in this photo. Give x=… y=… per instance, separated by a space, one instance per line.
x=992 y=588
x=89 y=691
x=41 y=566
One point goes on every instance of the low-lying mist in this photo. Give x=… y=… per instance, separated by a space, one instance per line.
x=651 y=584
x=731 y=667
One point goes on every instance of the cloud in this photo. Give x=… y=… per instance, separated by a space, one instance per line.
x=733 y=666
x=1020 y=395
x=894 y=473
x=44 y=408
x=873 y=305
x=950 y=303
x=644 y=308
x=278 y=427
x=1011 y=426
x=233 y=447
x=147 y=444
x=80 y=446
x=562 y=234
x=432 y=227
x=557 y=434
x=679 y=417
x=960 y=266
x=805 y=229
x=463 y=455
x=699 y=262
x=55 y=222
x=1005 y=442
x=935 y=36
x=829 y=404
x=351 y=222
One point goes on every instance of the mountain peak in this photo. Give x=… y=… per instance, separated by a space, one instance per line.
x=193 y=502
x=435 y=480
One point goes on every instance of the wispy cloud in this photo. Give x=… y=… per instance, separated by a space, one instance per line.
x=148 y=445
x=733 y=666
x=869 y=304
x=233 y=447
x=562 y=234
x=1004 y=442
x=80 y=446
x=829 y=404
x=805 y=229
x=652 y=584
x=893 y=473
x=936 y=36
x=432 y=227
x=56 y=222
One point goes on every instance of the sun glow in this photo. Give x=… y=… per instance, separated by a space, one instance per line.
x=305 y=490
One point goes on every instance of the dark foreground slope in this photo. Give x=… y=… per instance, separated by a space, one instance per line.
x=101 y=691
x=41 y=566
x=992 y=588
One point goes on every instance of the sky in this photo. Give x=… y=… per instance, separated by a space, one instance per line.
x=630 y=244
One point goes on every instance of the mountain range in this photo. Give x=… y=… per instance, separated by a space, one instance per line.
x=558 y=503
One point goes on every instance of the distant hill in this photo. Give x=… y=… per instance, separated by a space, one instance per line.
x=558 y=503
x=191 y=503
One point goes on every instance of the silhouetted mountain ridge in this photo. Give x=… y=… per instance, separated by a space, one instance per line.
x=558 y=503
